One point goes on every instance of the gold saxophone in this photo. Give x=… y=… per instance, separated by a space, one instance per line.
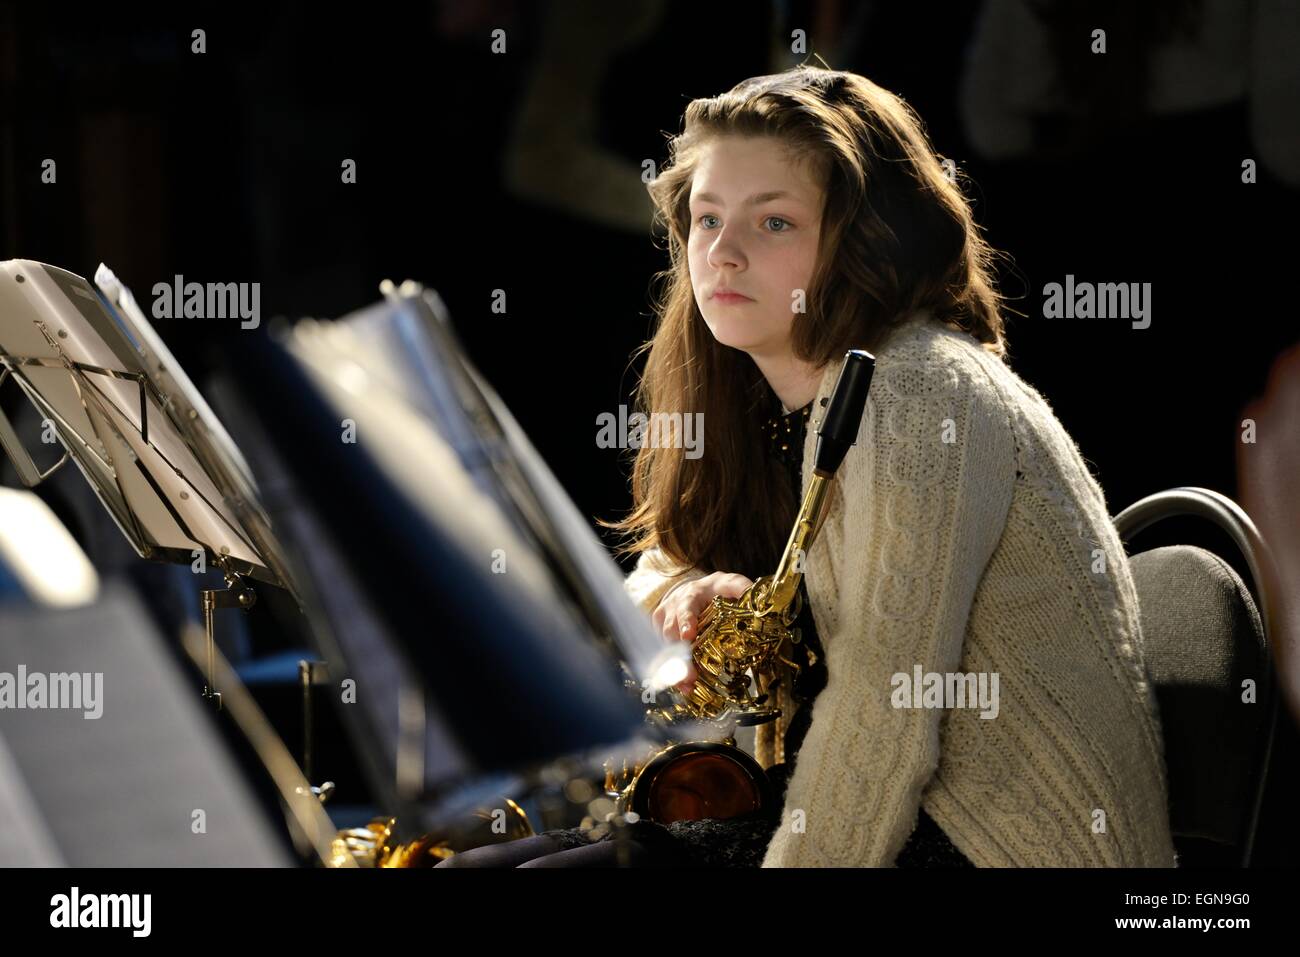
x=692 y=780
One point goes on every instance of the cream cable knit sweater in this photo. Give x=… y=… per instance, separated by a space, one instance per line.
x=975 y=539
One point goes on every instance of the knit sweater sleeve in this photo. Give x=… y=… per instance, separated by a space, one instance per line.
x=920 y=505
x=654 y=576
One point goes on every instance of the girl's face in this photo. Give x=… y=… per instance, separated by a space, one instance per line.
x=755 y=227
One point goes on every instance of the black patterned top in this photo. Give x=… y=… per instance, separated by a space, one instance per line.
x=742 y=841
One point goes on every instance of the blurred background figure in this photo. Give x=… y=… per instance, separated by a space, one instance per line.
x=1037 y=85
x=1268 y=471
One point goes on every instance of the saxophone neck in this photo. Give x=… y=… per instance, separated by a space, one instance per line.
x=784 y=586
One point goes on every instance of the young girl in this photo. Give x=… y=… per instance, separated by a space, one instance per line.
x=966 y=545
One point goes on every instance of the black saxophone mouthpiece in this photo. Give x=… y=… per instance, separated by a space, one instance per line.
x=839 y=427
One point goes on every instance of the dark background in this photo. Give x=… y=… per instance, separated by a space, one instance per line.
x=225 y=166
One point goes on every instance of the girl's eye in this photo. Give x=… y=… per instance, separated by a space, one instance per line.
x=784 y=228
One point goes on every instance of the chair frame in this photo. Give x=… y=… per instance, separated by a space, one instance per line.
x=1231 y=518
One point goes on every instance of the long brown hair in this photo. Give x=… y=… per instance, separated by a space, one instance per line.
x=897 y=236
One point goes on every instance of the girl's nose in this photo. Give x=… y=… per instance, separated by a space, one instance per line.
x=726 y=251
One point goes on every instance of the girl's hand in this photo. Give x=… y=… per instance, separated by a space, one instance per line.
x=679 y=611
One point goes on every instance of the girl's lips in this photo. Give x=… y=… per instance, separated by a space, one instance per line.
x=731 y=297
